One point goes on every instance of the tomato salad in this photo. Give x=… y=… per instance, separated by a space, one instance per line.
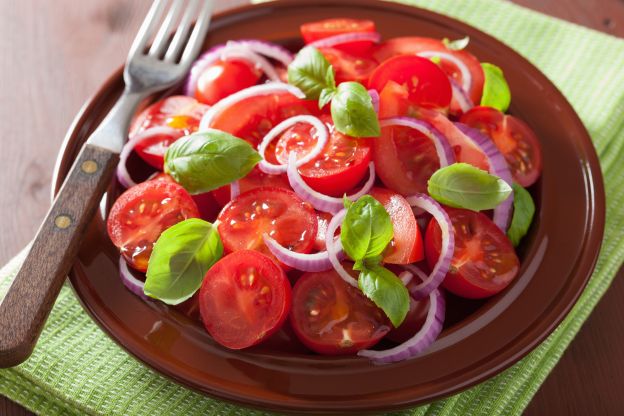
x=342 y=191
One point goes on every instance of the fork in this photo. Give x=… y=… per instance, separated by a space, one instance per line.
x=30 y=298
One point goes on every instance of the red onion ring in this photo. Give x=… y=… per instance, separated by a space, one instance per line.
x=258 y=61
x=323 y=136
x=375 y=98
x=316 y=262
x=133 y=284
x=318 y=200
x=342 y=38
x=254 y=91
x=499 y=167
x=448 y=245
x=268 y=49
x=422 y=340
x=234 y=189
x=461 y=96
x=333 y=225
x=465 y=72
x=443 y=149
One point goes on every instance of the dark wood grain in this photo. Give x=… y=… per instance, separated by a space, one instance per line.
x=86 y=41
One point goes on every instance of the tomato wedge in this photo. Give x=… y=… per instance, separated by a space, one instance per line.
x=254 y=179
x=484 y=261
x=331 y=317
x=244 y=298
x=514 y=138
x=223 y=78
x=178 y=111
x=348 y=67
x=406 y=247
x=331 y=27
x=153 y=147
x=142 y=213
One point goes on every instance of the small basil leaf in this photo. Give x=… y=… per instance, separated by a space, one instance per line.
x=496 y=93
x=326 y=96
x=353 y=112
x=311 y=73
x=346 y=201
x=208 y=160
x=524 y=209
x=456 y=45
x=387 y=291
x=461 y=185
x=181 y=257
x=366 y=229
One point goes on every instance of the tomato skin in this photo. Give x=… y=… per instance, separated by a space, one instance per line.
x=513 y=137
x=349 y=67
x=142 y=213
x=331 y=27
x=177 y=111
x=244 y=298
x=254 y=179
x=331 y=317
x=152 y=149
x=223 y=78
x=484 y=261
x=406 y=247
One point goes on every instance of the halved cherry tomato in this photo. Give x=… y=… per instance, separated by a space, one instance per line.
x=348 y=67
x=178 y=111
x=514 y=138
x=323 y=221
x=244 y=298
x=254 y=179
x=406 y=246
x=278 y=212
x=251 y=119
x=223 y=78
x=142 y=213
x=405 y=159
x=422 y=83
x=484 y=261
x=152 y=149
x=342 y=164
x=207 y=205
x=413 y=321
x=415 y=45
x=331 y=27
x=331 y=317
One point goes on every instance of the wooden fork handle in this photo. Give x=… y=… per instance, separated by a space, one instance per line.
x=26 y=306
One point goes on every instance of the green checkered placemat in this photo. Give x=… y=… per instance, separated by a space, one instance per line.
x=76 y=369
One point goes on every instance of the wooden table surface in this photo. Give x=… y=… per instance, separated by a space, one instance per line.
x=57 y=53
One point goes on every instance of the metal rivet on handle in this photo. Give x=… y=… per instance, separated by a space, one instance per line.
x=89 y=166
x=62 y=221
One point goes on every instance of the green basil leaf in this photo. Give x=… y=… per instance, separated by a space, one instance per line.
x=311 y=73
x=181 y=257
x=496 y=93
x=524 y=209
x=353 y=112
x=387 y=291
x=456 y=45
x=461 y=185
x=208 y=160
x=326 y=96
x=346 y=201
x=436 y=60
x=366 y=229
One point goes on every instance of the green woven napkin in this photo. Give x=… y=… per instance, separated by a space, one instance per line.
x=76 y=369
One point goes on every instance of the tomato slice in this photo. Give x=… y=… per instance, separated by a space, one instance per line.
x=321 y=231
x=178 y=111
x=252 y=118
x=484 y=261
x=415 y=45
x=142 y=213
x=514 y=138
x=244 y=298
x=331 y=27
x=406 y=246
x=342 y=164
x=153 y=147
x=331 y=317
x=254 y=179
x=422 y=82
x=275 y=211
x=348 y=67
x=223 y=78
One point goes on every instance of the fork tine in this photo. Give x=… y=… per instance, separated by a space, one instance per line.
x=147 y=27
x=199 y=32
x=161 y=38
x=179 y=39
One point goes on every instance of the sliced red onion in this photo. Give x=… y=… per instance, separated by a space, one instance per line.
x=318 y=200
x=268 y=49
x=422 y=340
x=375 y=98
x=203 y=62
x=441 y=267
x=258 y=61
x=254 y=91
x=321 y=141
x=316 y=262
x=234 y=190
x=133 y=284
x=332 y=249
x=332 y=41
x=415 y=271
x=499 y=167
x=465 y=72
x=406 y=277
x=123 y=176
x=461 y=96
x=442 y=146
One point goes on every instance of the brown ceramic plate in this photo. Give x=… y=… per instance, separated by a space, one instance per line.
x=480 y=338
